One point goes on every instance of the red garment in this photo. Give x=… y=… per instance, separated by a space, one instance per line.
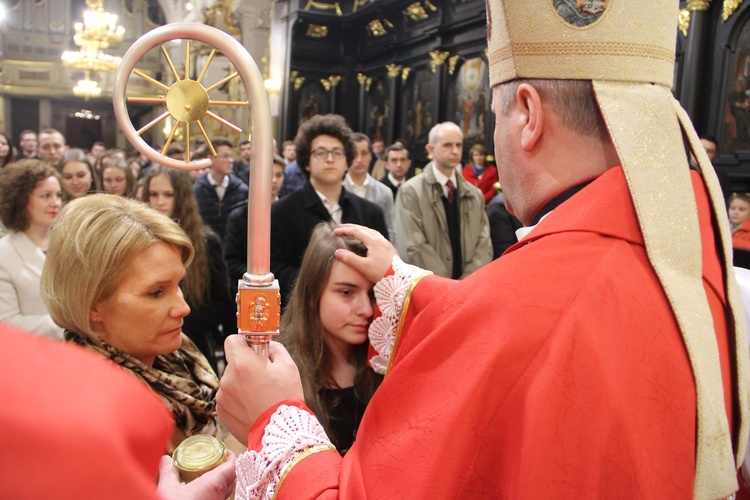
x=75 y=425
x=741 y=236
x=557 y=371
x=486 y=184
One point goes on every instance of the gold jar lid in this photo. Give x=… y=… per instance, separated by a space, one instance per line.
x=199 y=453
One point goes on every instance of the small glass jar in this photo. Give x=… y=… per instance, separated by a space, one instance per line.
x=197 y=455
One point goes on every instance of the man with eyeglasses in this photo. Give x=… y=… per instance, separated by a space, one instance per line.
x=218 y=190
x=325 y=150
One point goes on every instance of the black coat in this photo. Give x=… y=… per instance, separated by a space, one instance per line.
x=202 y=324
x=385 y=180
x=213 y=212
x=502 y=226
x=293 y=219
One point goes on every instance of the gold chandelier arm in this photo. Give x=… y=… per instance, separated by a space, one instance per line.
x=153 y=122
x=224 y=122
x=222 y=82
x=171 y=64
x=151 y=80
x=205 y=66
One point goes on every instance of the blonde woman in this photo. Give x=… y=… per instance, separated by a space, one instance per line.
x=114 y=287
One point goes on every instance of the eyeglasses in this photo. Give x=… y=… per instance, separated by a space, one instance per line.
x=322 y=153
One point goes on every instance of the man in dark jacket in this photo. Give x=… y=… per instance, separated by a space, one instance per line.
x=218 y=190
x=324 y=152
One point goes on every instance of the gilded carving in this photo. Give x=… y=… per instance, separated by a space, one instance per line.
x=699 y=4
x=334 y=79
x=376 y=28
x=452 y=64
x=728 y=8
x=430 y=6
x=325 y=83
x=405 y=74
x=393 y=70
x=359 y=3
x=437 y=58
x=312 y=4
x=316 y=31
x=361 y=78
x=298 y=82
x=416 y=12
x=683 y=21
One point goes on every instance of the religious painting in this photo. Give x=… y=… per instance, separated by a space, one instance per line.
x=471 y=106
x=736 y=136
x=377 y=110
x=420 y=114
x=313 y=100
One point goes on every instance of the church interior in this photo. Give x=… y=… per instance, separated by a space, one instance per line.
x=392 y=68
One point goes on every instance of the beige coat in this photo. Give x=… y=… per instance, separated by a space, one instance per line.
x=422 y=226
x=21 y=264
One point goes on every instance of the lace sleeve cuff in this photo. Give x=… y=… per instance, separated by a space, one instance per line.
x=390 y=295
x=291 y=434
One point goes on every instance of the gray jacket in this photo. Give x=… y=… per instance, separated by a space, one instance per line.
x=422 y=225
x=382 y=196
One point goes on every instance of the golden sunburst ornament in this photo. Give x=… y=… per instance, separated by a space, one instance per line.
x=187 y=101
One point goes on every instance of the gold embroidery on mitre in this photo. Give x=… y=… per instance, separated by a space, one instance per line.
x=582 y=48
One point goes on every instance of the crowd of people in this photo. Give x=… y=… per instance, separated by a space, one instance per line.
x=513 y=330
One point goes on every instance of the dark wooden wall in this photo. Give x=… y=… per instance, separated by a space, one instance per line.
x=710 y=60
x=389 y=106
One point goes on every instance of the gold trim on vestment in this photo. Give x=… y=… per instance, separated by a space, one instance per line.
x=401 y=319
x=297 y=459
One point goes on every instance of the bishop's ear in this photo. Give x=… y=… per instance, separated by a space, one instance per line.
x=533 y=115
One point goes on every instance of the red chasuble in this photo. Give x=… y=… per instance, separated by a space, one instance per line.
x=74 y=425
x=557 y=371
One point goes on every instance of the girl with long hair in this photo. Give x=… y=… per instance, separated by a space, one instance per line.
x=6 y=150
x=206 y=284
x=118 y=179
x=325 y=327
x=78 y=177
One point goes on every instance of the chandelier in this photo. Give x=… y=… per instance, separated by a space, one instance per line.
x=98 y=30
x=87 y=88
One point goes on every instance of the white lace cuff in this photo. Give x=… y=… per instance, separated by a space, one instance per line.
x=390 y=294
x=290 y=432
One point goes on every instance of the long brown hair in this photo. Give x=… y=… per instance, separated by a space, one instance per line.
x=196 y=285
x=302 y=331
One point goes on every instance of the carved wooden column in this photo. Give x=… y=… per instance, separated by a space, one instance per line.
x=696 y=61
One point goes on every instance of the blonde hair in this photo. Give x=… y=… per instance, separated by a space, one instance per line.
x=92 y=244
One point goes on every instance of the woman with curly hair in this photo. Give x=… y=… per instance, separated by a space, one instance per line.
x=6 y=150
x=206 y=284
x=78 y=177
x=324 y=327
x=30 y=198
